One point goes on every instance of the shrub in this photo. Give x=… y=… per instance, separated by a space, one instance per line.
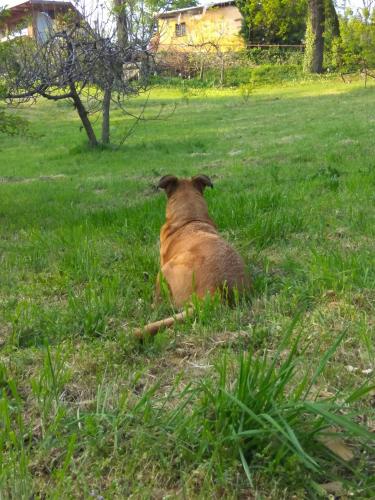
x=274 y=55
x=259 y=75
x=11 y=124
x=355 y=49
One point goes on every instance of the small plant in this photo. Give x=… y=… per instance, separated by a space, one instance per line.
x=246 y=91
x=331 y=175
x=48 y=387
x=14 y=473
x=12 y=124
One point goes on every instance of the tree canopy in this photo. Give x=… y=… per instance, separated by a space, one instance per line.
x=274 y=21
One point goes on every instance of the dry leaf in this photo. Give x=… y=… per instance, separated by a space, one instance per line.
x=338 y=447
x=334 y=487
x=325 y=394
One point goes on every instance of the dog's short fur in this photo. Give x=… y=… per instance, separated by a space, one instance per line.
x=194 y=258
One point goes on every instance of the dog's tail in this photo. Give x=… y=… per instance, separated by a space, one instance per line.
x=153 y=328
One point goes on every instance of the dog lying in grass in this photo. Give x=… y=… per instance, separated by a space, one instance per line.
x=194 y=258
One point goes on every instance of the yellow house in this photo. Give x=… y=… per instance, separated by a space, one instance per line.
x=210 y=27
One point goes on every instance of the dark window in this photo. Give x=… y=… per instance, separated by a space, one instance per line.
x=181 y=29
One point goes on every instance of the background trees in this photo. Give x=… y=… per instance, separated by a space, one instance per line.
x=314 y=22
x=273 y=21
x=355 y=49
x=90 y=59
x=9 y=124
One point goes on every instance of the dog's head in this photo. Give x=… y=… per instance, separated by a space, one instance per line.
x=171 y=184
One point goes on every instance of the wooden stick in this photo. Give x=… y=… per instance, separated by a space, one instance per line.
x=153 y=328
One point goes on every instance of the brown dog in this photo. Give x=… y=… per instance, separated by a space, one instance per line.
x=194 y=258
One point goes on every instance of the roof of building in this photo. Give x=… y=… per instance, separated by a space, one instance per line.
x=16 y=3
x=21 y=5
x=195 y=9
x=20 y=8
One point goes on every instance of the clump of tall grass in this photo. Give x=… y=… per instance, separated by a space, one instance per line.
x=267 y=413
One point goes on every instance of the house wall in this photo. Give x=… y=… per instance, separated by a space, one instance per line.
x=207 y=30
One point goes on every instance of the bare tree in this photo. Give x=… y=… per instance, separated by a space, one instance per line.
x=84 y=60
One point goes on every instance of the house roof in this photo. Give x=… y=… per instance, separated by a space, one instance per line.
x=197 y=9
x=20 y=8
x=14 y=4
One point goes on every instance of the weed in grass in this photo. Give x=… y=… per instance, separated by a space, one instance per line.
x=246 y=90
x=15 y=477
x=48 y=387
x=331 y=175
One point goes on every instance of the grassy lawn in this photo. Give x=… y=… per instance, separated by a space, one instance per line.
x=85 y=410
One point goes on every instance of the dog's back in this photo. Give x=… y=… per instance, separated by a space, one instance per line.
x=194 y=257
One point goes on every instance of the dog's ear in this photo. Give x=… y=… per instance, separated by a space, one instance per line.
x=168 y=183
x=201 y=182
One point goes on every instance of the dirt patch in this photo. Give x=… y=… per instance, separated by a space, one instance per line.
x=289 y=139
x=51 y=177
x=27 y=180
x=348 y=142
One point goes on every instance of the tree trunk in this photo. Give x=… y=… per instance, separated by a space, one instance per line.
x=121 y=22
x=222 y=69
x=333 y=17
x=315 y=37
x=83 y=115
x=105 y=122
x=201 y=69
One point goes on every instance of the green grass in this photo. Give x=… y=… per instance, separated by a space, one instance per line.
x=236 y=402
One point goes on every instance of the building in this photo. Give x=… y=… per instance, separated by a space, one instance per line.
x=33 y=18
x=210 y=27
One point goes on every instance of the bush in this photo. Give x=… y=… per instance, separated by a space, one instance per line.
x=236 y=76
x=256 y=65
x=274 y=55
x=12 y=125
x=355 y=49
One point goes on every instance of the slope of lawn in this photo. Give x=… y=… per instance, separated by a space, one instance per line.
x=85 y=410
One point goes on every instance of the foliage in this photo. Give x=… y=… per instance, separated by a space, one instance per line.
x=274 y=55
x=4 y=14
x=273 y=21
x=264 y=74
x=11 y=124
x=355 y=50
